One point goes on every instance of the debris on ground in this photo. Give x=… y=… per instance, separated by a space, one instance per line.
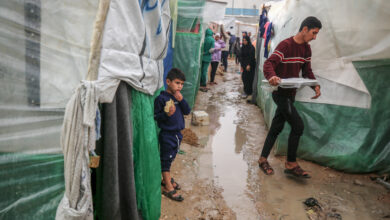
x=358 y=182
x=190 y=137
x=200 y=118
x=382 y=180
x=314 y=211
x=311 y=202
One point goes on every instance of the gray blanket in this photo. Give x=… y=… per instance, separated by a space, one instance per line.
x=115 y=195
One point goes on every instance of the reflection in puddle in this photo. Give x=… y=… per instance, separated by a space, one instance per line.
x=230 y=170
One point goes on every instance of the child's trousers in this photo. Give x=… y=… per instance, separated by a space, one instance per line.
x=169 y=146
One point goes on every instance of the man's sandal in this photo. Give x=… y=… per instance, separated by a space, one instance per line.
x=171 y=194
x=298 y=172
x=266 y=168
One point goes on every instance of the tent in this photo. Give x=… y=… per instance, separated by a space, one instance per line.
x=48 y=51
x=192 y=21
x=47 y=48
x=347 y=128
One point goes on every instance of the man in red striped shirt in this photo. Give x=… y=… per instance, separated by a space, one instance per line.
x=290 y=57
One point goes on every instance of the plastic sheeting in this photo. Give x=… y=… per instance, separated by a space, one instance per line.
x=38 y=50
x=351 y=31
x=31 y=185
x=187 y=49
x=41 y=42
x=187 y=57
x=44 y=48
x=189 y=15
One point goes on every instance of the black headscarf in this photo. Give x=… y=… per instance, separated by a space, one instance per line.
x=247 y=54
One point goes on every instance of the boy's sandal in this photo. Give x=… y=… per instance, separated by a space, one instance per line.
x=171 y=194
x=298 y=172
x=266 y=168
x=177 y=187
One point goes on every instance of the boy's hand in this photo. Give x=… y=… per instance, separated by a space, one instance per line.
x=318 y=92
x=248 y=68
x=172 y=110
x=178 y=96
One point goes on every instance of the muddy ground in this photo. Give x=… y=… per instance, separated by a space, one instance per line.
x=220 y=178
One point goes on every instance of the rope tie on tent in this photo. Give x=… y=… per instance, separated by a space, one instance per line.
x=96 y=42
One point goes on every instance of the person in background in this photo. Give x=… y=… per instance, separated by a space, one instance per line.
x=289 y=58
x=237 y=50
x=206 y=58
x=225 y=50
x=216 y=56
x=244 y=34
x=248 y=63
x=231 y=44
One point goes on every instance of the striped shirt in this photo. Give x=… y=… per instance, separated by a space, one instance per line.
x=287 y=60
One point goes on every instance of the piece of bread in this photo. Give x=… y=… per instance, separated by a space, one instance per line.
x=168 y=105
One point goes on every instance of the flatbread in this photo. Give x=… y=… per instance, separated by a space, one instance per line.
x=168 y=105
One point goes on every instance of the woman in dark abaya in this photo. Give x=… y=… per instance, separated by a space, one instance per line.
x=248 y=62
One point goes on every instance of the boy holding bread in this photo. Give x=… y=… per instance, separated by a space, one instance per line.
x=169 y=108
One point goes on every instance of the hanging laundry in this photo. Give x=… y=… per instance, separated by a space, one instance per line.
x=263 y=21
x=265 y=29
x=267 y=43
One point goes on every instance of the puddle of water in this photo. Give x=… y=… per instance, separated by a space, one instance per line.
x=230 y=169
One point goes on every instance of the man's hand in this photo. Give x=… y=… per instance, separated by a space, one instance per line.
x=318 y=92
x=172 y=110
x=248 y=68
x=178 y=96
x=274 y=81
